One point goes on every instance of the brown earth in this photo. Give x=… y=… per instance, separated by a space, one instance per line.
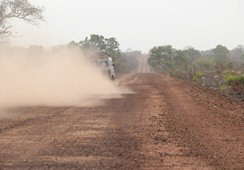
x=166 y=124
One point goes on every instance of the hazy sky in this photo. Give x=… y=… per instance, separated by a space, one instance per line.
x=139 y=24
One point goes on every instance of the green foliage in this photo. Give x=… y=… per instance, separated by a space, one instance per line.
x=221 y=54
x=232 y=78
x=204 y=64
x=101 y=44
x=191 y=54
x=197 y=76
x=165 y=58
x=98 y=43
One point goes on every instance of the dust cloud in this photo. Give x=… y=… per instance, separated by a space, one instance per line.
x=61 y=77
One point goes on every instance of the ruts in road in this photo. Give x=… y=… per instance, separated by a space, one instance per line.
x=165 y=124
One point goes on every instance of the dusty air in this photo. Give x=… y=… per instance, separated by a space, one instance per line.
x=121 y=84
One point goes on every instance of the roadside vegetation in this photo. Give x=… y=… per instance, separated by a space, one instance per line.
x=219 y=68
x=124 y=61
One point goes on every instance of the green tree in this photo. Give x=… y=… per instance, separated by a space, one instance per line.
x=191 y=54
x=101 y=44
x=160 y=57
x=204 y=64
x=164 y=58
x=221 y=54
x=98 y=43
x=17 y=9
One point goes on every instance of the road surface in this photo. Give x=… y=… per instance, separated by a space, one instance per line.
x=165 y=124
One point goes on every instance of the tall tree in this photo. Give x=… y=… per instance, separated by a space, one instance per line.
x=102 y=44
x=191 y=54
x=221 y=54
x=110 y=46
x=17 y=9
x=164 y=58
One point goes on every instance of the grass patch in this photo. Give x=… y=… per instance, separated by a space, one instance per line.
x=197 y=77
x=232 y=78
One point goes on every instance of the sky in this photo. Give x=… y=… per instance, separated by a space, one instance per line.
x=138 y=24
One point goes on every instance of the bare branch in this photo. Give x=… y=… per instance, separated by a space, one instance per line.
x=19 y=9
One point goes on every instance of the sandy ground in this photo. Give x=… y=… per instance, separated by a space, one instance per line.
x=166 y=124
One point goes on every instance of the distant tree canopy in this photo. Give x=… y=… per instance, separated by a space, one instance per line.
x=192 y=64
x=99 y=42
x=221 y=54
x=164 y=58
x=191 y=54
x=204 y=64
x=17 y=9
x=236 y=53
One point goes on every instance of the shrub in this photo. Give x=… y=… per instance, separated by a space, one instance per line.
x=232 y=78
x=223 y=88
x=197 y=77
x=204 y=64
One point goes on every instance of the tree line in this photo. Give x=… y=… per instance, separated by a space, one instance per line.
x=124 y=61
x=218 y=68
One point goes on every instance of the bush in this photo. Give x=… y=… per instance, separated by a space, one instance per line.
x=232 y=78
x=204 y=64
x=224 y=88
x=197 y=77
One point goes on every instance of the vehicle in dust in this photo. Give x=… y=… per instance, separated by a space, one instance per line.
x=105 y=62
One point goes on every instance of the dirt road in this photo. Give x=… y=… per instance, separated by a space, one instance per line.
x=143 y=66
x=166 y=124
